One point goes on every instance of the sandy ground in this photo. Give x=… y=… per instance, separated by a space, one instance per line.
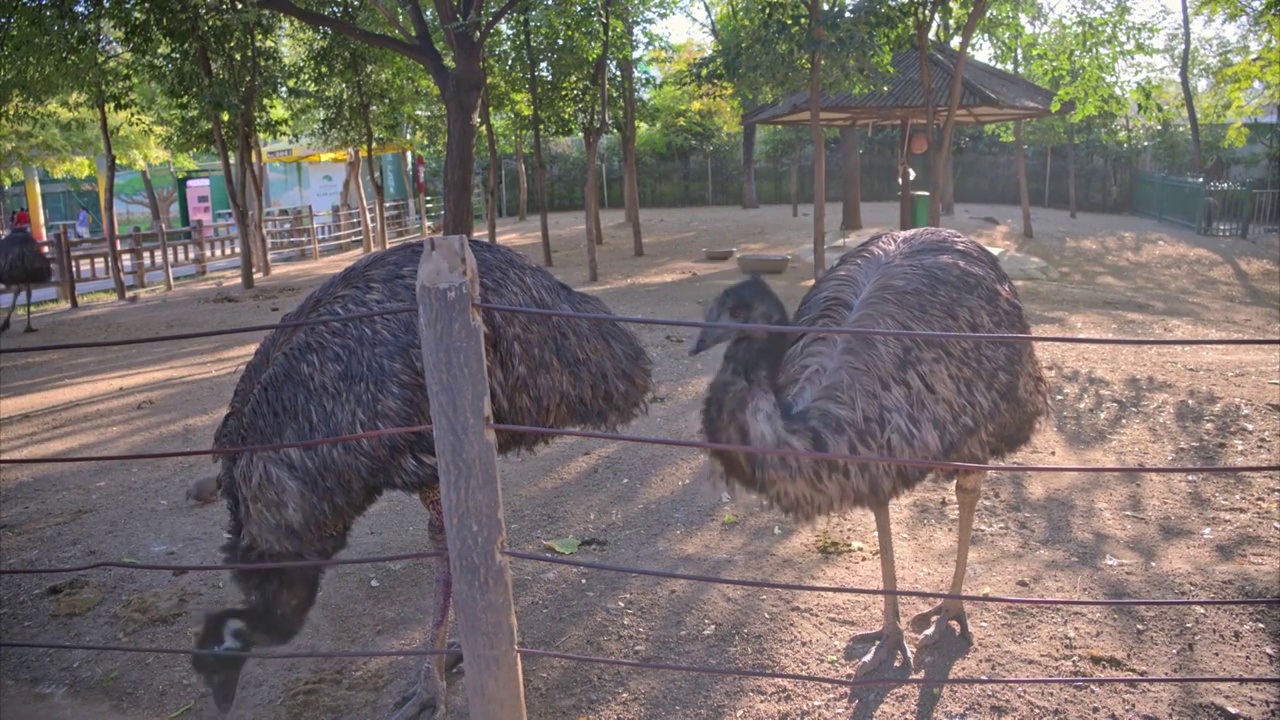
x=1064 y=535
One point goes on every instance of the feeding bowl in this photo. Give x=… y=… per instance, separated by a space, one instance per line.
x=763 y=263
x=718 y=253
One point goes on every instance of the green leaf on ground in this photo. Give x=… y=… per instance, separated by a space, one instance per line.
x=564 y=546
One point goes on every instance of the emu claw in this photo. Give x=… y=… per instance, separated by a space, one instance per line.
x=428 y=697
x=889 y=641
x=944 y=612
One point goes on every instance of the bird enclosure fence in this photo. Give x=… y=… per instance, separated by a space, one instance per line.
x=450 y=326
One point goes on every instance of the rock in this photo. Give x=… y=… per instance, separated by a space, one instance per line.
x=1023 y=582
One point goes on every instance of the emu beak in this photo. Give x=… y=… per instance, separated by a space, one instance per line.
x=223 y=686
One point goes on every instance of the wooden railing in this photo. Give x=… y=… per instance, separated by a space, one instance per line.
x=153 y=258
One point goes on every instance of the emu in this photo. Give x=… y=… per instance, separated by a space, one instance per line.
x=929 y=399
x=342 y=378
x=22 y=265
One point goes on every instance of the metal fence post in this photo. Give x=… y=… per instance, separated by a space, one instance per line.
x=467 y=463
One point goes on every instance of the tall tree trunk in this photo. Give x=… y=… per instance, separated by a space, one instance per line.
x=930 y=119
x=491 y=197
x=949 y=186
x=153 y=202
x=750 y=200
x=819 y=148
x=942 y=159
x=795 y=181
x=630 y=177
x=366 y=230
x=461 y=101
x=904 y=176
x=379 y=189
x=109 y=201
x=851 y=163
x=1020 y=160
x=224 y=155
x=522 y=182
x=1197 y=161
x=1048 y=167
x=589 y=192
x=257 y=185
x=539 y=167
x=1071 y=168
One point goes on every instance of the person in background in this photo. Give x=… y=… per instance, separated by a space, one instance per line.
x=22 y=219
x=82 y=223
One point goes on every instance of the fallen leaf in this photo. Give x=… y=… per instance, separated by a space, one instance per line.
x=564 y=546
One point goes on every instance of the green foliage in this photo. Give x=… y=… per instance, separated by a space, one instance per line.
x=683 y=117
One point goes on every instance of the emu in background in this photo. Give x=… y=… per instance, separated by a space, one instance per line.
x=22 y=264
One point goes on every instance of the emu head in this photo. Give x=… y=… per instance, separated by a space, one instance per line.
x=749 y=301
x=226 y=631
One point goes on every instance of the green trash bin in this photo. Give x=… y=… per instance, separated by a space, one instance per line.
x=919 y=209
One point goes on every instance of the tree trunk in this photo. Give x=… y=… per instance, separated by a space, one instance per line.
x=819 y=148
x=750 y=200
x=949 y=186
x=539 y=167
x=1048 y=166
x=522 y=181
x=851 y=163
x=795 y=181
x=942 y=159
x=491 y=197
x=631 y=184
x=153 y=201
x=1071 y=169
x=257 y=183
x=926 y=84
x=904 y=176
x=461 y=101
x=1197 y=161
x=366 y=231
x=1020 y=160
x=379 y=190
x=592 y=143
x=109 y=202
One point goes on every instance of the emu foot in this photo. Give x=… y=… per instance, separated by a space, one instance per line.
x=4 y=325
x=428 y=697
x=889 y=641
x=941 y=615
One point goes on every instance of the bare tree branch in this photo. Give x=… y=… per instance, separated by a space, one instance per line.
x=711 y=21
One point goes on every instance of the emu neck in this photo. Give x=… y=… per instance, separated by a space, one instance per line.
x=758 y=358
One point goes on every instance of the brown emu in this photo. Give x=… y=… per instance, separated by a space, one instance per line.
x=343 y=378
x=946 y=400
x=22 y=265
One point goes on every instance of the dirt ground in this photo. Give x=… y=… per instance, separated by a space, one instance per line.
x=1060 y=535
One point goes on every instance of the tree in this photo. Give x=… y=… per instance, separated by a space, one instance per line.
x=465 y=26
x=1197 y=162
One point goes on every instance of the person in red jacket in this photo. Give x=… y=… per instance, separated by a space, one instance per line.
x=23 y=218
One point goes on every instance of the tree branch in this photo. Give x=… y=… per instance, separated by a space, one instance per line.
x=498 y=15
x=423 y=52
x=395 y=21
x=711 y=21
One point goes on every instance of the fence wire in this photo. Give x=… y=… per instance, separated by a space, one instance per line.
x=551 y=654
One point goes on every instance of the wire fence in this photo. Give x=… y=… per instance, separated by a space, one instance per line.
x=692 y=444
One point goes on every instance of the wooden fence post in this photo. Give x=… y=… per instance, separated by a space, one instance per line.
x=139 y=262
x=467 y=464
x=161 y=235
x=422 y=213
x=312 y=234
x=202 y=260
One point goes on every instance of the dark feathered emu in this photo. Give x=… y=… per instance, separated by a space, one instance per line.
x=946 y=400
x=22 y=265
x=343 y=378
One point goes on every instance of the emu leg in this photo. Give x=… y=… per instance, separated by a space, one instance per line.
x=28 y=329
x=429 y=694
x=12 y=306
x=889 y=639
x=968 y=490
